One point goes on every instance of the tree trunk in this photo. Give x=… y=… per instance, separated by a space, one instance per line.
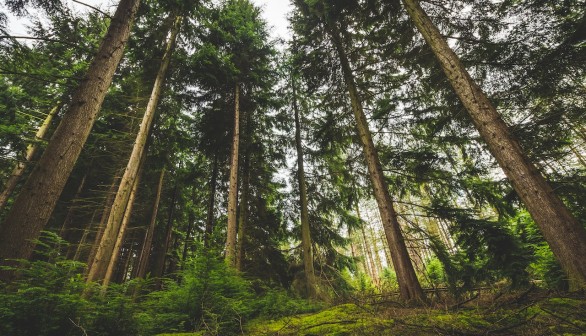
x=158 y=266
x=243 y=213
x=105 y=214
x=35 y=203
x=564 y=234
x=149 y=233
x=409 y=286
x=233 y=192
x=122 y=234
x=211 y=203
x=306 y=243
x=106 y=248
x=30 y=153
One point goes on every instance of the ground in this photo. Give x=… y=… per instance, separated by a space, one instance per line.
x=522 y=313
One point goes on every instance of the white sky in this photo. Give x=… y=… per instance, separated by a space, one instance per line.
x=274 y=12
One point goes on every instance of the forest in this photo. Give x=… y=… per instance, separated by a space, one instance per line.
x=396 y=167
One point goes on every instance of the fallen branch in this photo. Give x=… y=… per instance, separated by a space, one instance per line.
x=561 y=318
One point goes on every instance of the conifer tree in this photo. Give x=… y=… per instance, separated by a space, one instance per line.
x=35 y=203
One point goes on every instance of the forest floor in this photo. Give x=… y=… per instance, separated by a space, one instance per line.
x=531 y=312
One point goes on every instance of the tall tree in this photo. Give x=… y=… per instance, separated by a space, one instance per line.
x=35 y=203
x=409 y=286
x=565 y=235
x=106 y=248
x=306 y=242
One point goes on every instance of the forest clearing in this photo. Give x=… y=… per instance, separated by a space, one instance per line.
x=396 y=167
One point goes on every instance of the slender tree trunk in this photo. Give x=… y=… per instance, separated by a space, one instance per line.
x=35 y=203
x=306 y=243
x=105 y=214
x=233 y=192
x=158 y=266
x=409 y=286
x=367 y=248
x=75 y=254
x=564 y=234
x=122 y=233
x=147 y=244
x=211 y=203
x=243 y=213
x=30 y=153
x=106 y=248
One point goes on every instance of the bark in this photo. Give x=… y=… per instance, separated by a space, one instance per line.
x=409 y=287
x=211 y=203
x=148 y=235
x=306 y=243
x=122 y=234
x=233 y=191
x=106 y=248
x=35 y=203
x=564 y=234
x=243 y=214
x=31 y=150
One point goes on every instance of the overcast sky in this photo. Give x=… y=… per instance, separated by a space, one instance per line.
x=274 y=12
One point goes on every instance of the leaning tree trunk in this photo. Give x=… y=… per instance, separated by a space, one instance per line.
x=306 y=243
x=233 y=191
x=30 y=153
x=122 y=233
x=409 y=286
x=35 y=203
x=106 y=247
x=147 y=243
x=564 y=234
x=161 y=249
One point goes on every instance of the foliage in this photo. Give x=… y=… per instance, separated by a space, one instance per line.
x=46 y=300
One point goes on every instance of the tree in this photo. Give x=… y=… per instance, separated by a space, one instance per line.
x=106 y=248
x=565 y=235
x=33 y=206
x=306 y=241
x=329 y=15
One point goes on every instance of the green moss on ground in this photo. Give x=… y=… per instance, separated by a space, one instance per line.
x=553 y=316
x=342 y=320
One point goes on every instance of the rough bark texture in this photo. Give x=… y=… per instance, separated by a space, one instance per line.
x=409 y=286
x=306 y=243
x=147 y=244
x=564 y=234
x=35 y=203
x=233 y=191
x=30 y=153
x=106 y=248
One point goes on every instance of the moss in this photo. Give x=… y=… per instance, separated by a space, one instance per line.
x=342 y=320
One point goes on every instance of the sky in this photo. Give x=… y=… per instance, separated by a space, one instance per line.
x=274 y=12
